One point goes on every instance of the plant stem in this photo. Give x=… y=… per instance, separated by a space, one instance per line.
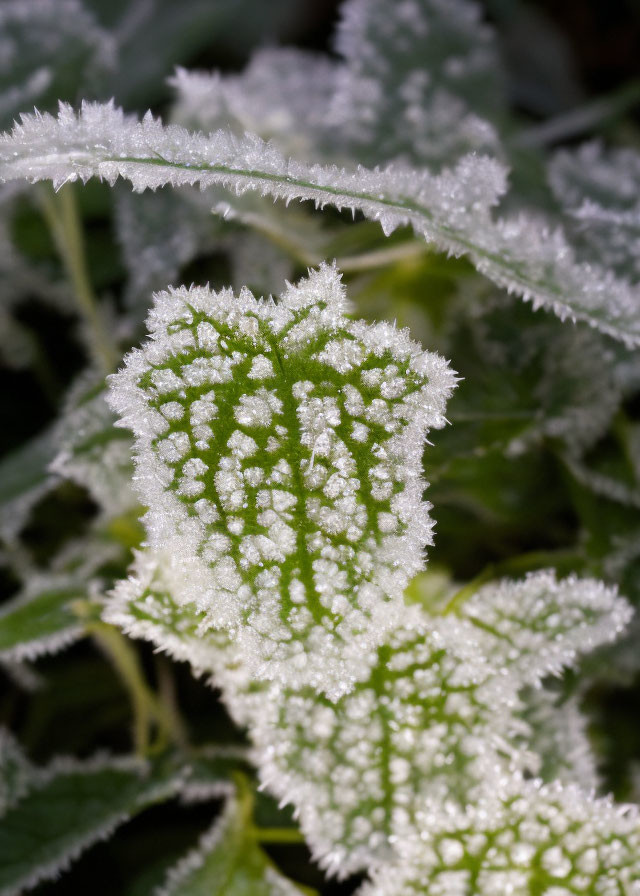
x=277 y=835
x=147 y=709
x=61 y=214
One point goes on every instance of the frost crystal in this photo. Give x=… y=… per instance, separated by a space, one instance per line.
x=279 y=447
x=521 y=838
x=438 y=717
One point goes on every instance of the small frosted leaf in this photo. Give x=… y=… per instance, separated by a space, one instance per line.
x=92 y=452
x=599 y=190
x=41 y=619
x=280 y=446
x=538 y=625
x=520 y=839
x=49 y=51
x=227 y=862
x=282 y=95
x=16 y=772
x=556 y=731
x=420 y=80
x=155 y=603
x=24 y=480
x=531 y=255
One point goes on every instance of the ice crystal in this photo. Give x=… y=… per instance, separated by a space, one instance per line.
x=438 y=718
x=280 y=446
x=519 y=839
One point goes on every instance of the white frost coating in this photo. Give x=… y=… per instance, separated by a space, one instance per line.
x=556 y=731
x=538 y=625
x=310 y=588
x=521 y=837
x=440 y=716
x=532 y=256
x=283 y=94
x=151 y=605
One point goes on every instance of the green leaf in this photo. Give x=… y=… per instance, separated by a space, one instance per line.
x=70 y=806
x=41 y=619
x=227 y=862
x=256 y=425
x=24 y=480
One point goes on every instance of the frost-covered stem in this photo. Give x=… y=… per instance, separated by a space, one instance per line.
x=61 y=214
x=169 y=702
x=147 y=709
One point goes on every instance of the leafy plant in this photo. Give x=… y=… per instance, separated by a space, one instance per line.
x=244 y=491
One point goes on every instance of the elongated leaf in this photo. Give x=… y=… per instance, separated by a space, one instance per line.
x=530 y=255
x=304 y=546
x=24 y=479
x=227 y=862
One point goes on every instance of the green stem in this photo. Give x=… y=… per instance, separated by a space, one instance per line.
x=61 y=214
x=147 y=709
x=277 y=835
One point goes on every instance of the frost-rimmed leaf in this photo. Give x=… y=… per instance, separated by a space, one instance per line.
x=528 y=254
x=599 y=190
x=41 y=619
x=256 y=423
x=520 y=839
x=439 y=718
x=283 y=94
x=71 y=805
x=420 y=80
x=227 y=862
x=557 y=733
x=155 y=603
x=91 y=450
x=16 y=772
x=24 y=480
x=48 y=49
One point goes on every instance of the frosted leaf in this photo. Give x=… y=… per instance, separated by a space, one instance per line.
x=24 y=480
x=227 y=862
x=279 y=446
x=71 y=805
x=92 y=452
x=419 y=80
x=557 y=733
x=527 y=254
x=16 y=772
x=283 y=95
x=521 y=838
x=538 y=625
x=158 y=234
x=439 y=717
x=154 y=604
x=47 y=51
x=599 y=190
